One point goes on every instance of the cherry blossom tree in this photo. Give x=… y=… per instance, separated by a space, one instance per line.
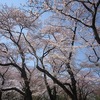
x=13 y=24
x=45 y=55
x=86 y=12
x=83 y=14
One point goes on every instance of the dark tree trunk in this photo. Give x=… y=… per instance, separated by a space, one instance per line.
x=28 y=94
x=54 y=93
x=69 y=70
x=49 y=90
x=74 y=98
x=0 y=95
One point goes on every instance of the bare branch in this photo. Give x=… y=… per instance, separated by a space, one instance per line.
x=13 y=88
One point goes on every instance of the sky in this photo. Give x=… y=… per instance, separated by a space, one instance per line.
x=16 y=3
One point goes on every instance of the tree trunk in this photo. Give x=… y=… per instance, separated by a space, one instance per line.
x=28 y=94
x=54 y=93
x=74 y=97
x=51 y=92
x=0 y=95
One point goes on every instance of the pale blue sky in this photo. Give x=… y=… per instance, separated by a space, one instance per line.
x=13 y=2
x=18 y=3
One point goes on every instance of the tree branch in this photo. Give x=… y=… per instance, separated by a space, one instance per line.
x=12 y=64
x=55 y=80
x=13 y=88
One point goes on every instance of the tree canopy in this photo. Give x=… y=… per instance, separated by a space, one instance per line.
x=49 y=50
